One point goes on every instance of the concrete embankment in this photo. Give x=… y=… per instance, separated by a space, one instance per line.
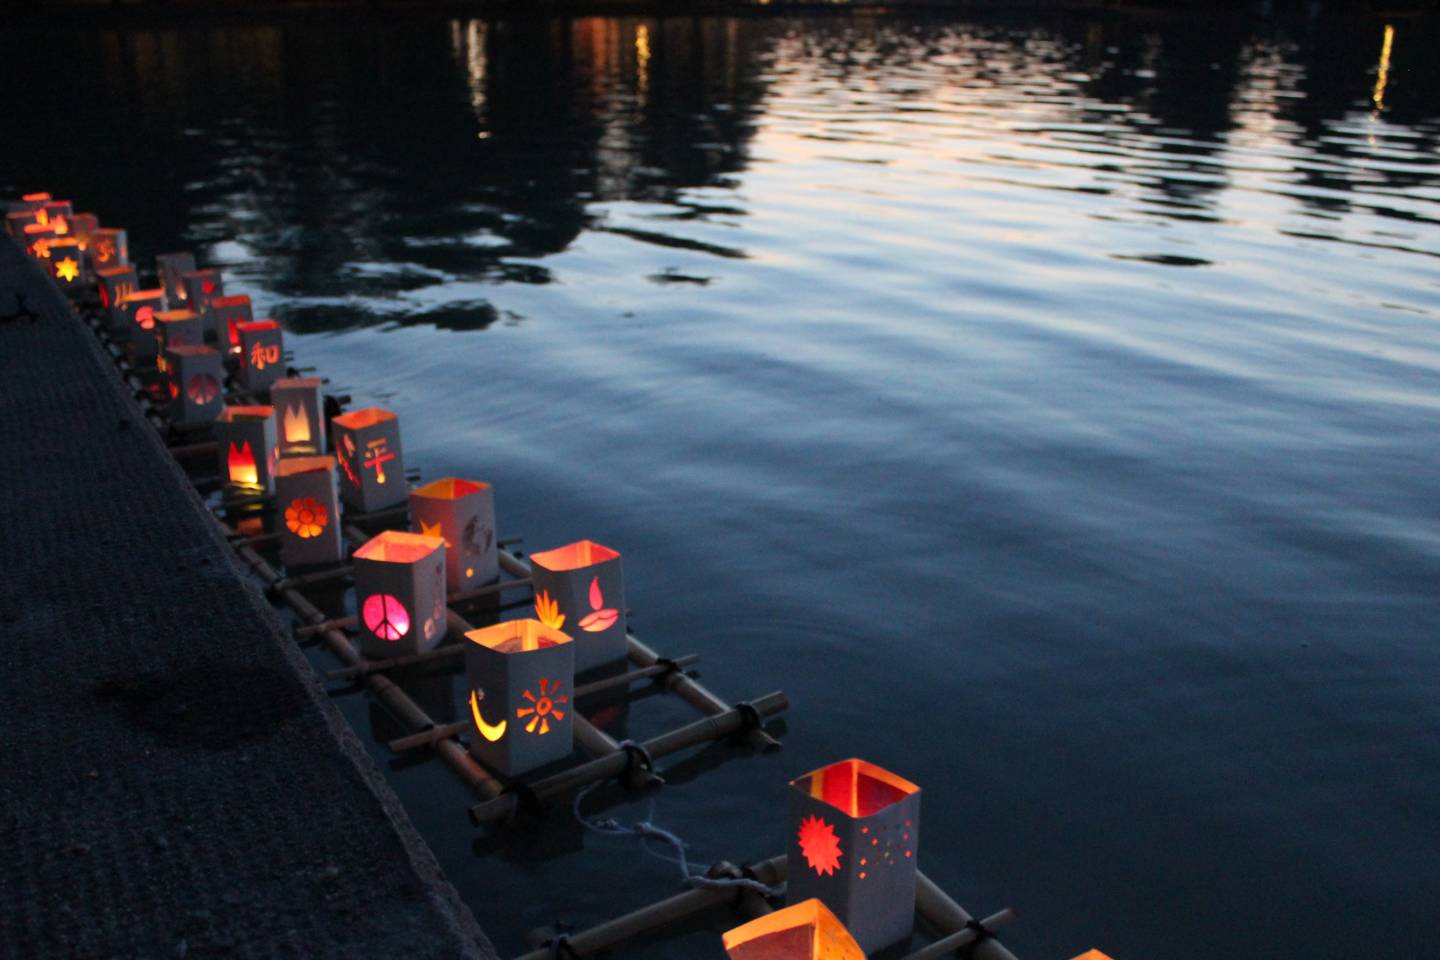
x=173 y=781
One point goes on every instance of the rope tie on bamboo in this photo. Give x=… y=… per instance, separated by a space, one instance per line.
x=646 y=830
x=636 y=753
x=749 y=715
x=982 y=933
x=560 y=948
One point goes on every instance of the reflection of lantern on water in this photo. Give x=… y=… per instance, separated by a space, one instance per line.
x=400 y=591
x=111 y=283
x=195 y=373
x=463 y=512
x=581 y=586
x=132 y=319
x=372 y=469
x=262 y=360
x=226 y=315
x=301 y=411
x=520 y=673
x=309 y=511
x=246 y=440
x=802 y=931
x=171 y=267
x=854 y=833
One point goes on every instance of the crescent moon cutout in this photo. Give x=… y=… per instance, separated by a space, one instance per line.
x=489 y=732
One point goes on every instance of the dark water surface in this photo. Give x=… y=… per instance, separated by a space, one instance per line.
x=1047 y=404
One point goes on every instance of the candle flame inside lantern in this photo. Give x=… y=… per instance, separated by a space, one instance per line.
x=241 y=461
x=296 y=424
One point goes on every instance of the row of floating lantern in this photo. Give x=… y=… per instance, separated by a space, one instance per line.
x=853 y=826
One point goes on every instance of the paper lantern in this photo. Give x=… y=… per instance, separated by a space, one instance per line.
x=200 y=287
x=132 y=319
x=108 y=247
x=463 y=513
x=226 y=315
x=262 y=354
x=178 y=328
x=56 y=213
x=802 y=931
x=171 y=268
x=854 y=837
x=580 y=588
x=17 y=220
x=300 y=412
x=521 y=675
x=196 y=383
x=372 y=469
x=66 y=263
x=36 y=239
x=400 y=593
x=82 y=225
x=246 y=440
x=307 y=509
x=112 y=283
x=1092 y=955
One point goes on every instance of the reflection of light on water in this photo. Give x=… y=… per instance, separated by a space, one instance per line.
x=642 y=58
x=467 y=41
x=1384 y=74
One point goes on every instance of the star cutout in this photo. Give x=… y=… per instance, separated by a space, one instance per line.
x=67 y=269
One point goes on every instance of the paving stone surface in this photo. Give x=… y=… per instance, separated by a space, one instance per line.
x=173 y=781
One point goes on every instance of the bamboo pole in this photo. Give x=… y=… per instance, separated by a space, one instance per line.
x=426 y=737
x=685 y=687
x=963 y=938
x=702 y=730
x=338 y=572
x=944 y=914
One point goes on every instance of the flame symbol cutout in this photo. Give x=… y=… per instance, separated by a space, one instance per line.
x=241 y=462
x=297 y=425
x=604 y=617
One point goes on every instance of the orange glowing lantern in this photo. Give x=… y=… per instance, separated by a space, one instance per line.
x=1092 y=955
x=171 y=267
x=195 y=373
x=108 y=247
x=37 y=238
x=309 y=511
x=802 y=931
x=112 y=283
x=463 y=512
x=82 y=225
x=400 y=592
x=580 y=587
x=372 y=468
x=66 y=261
x=200 y=287
x=521 y=674
x=854 y=836
x=301 y=413
x=247 y=447
x=132 y=318
x=262 y=354
x=178 y=328
x=226 y=315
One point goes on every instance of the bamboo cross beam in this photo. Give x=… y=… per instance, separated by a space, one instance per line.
x=700 y=731
x=425 y=738
x=687 y=688
x=337 y=572
x=963 y=938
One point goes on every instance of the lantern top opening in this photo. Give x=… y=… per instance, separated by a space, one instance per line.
x=39 y=228
x=855 y=787
x=175 y=316
x=291 y=466
x=1093 y=955
x=118 y=271
x=451 y=488
x=294 y=383
x=574 y=556
x=258 y=325
x=142 y=295
x=192 y=350
x=245 y=414
x=360 y=419
x=397 y=546
x=518 y=636
x=35 y=197
x=803 y=931
x=233 y=300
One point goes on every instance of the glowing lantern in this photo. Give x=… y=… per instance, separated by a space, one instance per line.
x=67 y=264
x=200 y=287
x=226 y=315
x=802 y=931
x=521 y=674
x=246 y=440
x=463 y=512
x=372 y=469
x=400 y=592
x=196 y=374
x=112 y=283
x=108 y=247
x=262 y=354
x=854 y=835
x=132 y=318
x=171 y=267
x=580 y=588
x=178 y=328
x=55 y=213
x=37 y=238
x=309 y=511
x=300 y=411
x=82 y=226
x=1092 y=955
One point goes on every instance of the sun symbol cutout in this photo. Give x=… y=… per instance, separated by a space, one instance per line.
x=819 y=845
x=67 y=269
x=545 y=706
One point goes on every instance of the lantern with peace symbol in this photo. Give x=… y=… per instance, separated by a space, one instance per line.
x=400 y=593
